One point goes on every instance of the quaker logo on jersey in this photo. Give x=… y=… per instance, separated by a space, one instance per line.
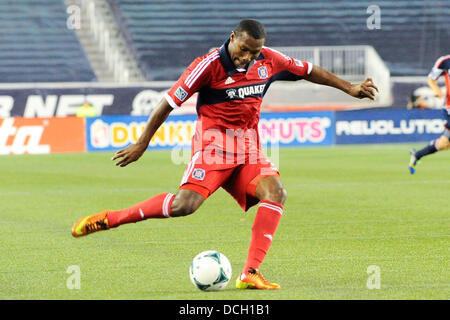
x=231 y=93
x=262 y=72
x=181 y=94
x=245 y=92
x=198 y=174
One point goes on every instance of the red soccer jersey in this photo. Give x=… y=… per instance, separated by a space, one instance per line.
x=229 y=100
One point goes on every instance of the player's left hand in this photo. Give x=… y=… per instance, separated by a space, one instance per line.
x=130 y=154
x=364 y=90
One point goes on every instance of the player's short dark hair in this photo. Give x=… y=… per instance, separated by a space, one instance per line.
x=252 y=28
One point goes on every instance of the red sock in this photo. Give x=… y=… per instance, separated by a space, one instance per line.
x=264 y=226
x=158 y=206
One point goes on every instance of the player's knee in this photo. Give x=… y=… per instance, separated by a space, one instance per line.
x=443 y=143
x=282 y=195
x=277 y=194
x=271 y=189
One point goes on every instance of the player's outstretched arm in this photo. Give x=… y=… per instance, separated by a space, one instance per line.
x=365 y=89
x=134 y=152
x=436 y=90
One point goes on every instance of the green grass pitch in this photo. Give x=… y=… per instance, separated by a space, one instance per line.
x=348 y=208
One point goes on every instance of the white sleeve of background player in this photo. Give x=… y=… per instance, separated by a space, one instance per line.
x=435 y=73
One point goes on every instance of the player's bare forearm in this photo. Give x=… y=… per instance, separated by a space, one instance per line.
x=358 y=90
x=156 y=119
x=135 y=151
x=436 y=90
x=321 y=76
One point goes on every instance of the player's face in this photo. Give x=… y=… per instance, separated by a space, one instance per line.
x=243 y=49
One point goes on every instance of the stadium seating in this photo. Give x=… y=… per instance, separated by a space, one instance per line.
x=166 y=35
x=37 y=46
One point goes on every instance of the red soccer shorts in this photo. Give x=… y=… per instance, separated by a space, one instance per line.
x=239 y=179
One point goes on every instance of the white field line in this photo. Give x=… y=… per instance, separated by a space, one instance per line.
x=378 y=183
x=84 y=190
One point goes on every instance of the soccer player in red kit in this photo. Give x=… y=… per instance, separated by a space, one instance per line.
x=231 y=82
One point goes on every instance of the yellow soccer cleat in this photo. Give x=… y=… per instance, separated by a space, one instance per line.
x=90 y=224
x=254 y=280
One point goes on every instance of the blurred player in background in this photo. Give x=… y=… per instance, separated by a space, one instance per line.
x=424 y=98
x=231 y=82
x=441 y=67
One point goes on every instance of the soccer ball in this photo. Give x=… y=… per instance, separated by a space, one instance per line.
x=210 y=271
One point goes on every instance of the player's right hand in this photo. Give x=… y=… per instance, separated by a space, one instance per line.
x=366 y=89
x=129 y=154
